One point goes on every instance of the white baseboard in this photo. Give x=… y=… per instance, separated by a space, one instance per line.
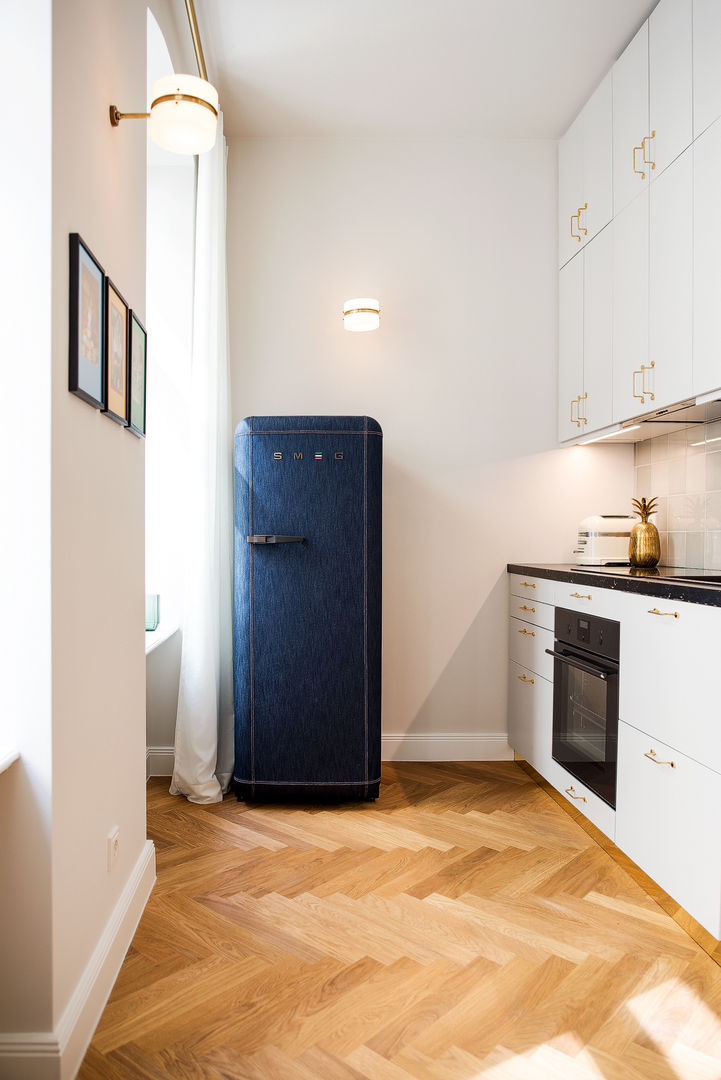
x=57 y=1055
x=159 y=761
x=461 y=746
x=439 y=746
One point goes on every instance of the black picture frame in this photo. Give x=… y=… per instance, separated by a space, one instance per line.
x=86 y=353
x=115 y=381
x=137 y=375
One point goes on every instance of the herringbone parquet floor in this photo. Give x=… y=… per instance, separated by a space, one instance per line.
x=463 y=926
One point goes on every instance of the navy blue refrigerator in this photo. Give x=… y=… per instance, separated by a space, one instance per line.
x=307 y=612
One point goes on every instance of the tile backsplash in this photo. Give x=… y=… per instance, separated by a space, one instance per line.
x=684 y=471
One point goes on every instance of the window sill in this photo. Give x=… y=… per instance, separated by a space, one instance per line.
x=153 y=638
x=7 y=757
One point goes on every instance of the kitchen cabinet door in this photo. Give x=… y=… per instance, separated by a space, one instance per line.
x=667 y=822
x=597 y=397
x=597 y=131
x=570 y=191
x=671 y=285
x=670 y=72
x=630 y=309
x=706 y=66
x=570 y=348
x=667 y=684
x=630 y=121
x=585 y=174
x=707 y=263
x=530 y=715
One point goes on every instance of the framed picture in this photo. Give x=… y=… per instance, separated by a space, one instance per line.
x=116 y=355
x=87 y=317
x=137 y=366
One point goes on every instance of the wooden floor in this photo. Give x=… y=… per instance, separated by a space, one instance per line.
x=463 y=926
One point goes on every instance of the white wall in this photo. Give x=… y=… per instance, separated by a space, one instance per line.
x=98 y=489
x=78 y=692
x=457 y=239
x=25 y=674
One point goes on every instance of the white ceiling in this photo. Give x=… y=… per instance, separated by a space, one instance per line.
x=395 y=68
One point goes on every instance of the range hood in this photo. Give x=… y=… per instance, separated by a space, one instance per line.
x=684 y=414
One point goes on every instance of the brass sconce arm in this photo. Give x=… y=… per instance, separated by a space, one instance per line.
x=116 y=116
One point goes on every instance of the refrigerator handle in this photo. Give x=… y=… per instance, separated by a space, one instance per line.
x=273 y=539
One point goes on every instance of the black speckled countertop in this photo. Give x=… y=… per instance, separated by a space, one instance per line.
x=666 y=582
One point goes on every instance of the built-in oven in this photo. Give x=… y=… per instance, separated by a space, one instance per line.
x=585 y=699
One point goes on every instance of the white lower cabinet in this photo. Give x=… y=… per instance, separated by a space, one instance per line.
x=586 y=801
x=527 y=644
x=667 y=821
x=669 y=668
x=530 y=713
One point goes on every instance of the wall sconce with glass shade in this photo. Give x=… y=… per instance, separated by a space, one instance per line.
x=184 y=108
x=363 y=313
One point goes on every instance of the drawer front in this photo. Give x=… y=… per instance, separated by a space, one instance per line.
x=668 y=684
x=527 y=646
x=532 y=611
x=586 y=598
x=577 y=794
x=535 y=588
x=530 y=714
x=667 y=821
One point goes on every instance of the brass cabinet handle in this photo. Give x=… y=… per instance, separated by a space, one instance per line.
x=574 y=419
x=639 y=396
x=528 y=584
x=647 y=138
x=529 y=633
x=572 y=792
x=573 y=234
x=651 y=755
x=581 y=210
x=644 y=369
x=524 y=679
x=580 y=596
x=655 y=611
x=582 y=416
x=639 y=172
x=524 y=608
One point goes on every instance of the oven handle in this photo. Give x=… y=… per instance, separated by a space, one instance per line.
x=591 y=669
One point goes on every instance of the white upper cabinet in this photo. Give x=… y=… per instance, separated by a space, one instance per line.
x=707 y=263
x=585 y=177
x=670 y=75
x=597 y=399
x=706 y=66
x=631 y=133
x=585 y=339
x=630 y=310
x=670 y=294
x=570 y=348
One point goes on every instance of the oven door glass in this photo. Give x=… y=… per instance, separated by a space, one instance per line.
x=585 y=725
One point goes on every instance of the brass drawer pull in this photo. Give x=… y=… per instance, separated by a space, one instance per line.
x=574 y=419
x=528 y=584
x=578 y=215
x=582 y=419
x=524 y=678
x=580 y=596
x=672 y=614
x=529 y=633
x=524 y=608
x=644 y=140
x=644 y=369
x=572 y=792
x=575 y=217
x=651 y=755
x=640 y=172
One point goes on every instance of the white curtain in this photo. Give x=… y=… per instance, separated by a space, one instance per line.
x=204 y=725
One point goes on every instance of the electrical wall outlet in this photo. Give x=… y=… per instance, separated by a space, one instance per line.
x=113 y=842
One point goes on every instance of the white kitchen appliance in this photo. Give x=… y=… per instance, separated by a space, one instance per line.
x=603 y=540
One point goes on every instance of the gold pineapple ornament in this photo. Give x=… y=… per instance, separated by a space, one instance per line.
x=644 y=546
